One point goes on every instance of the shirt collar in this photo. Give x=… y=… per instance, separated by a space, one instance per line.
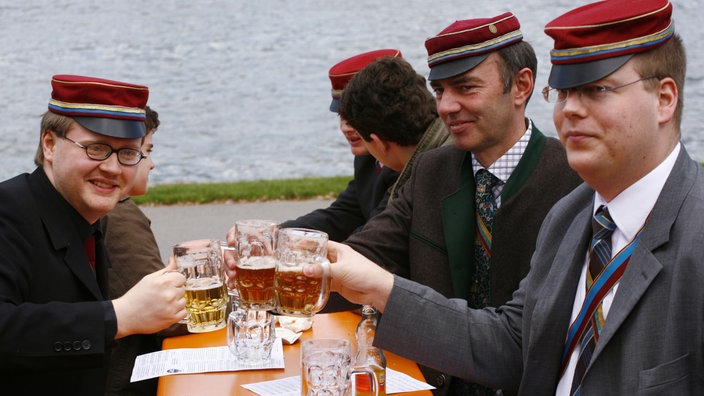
x=503 y=167
x=631 y=207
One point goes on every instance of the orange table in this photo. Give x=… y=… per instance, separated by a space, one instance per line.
x=336 y=325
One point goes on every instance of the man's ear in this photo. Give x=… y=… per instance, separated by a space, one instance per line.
x=523 y=84
x=380 y=144
x=668 y=95
x=48 y=141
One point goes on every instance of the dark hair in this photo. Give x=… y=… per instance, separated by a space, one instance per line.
x=516 y=57
x=152 y=122
x=388 y=98
x=667 y=60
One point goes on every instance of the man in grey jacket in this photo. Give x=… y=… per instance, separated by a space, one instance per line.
x=634 y=326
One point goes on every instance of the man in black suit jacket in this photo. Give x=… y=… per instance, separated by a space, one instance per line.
x=57 y=324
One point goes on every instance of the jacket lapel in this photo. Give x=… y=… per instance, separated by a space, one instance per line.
x=63 y=226
x=57 y=222
x=458 y=226
x=550 y=319
x=644 y=266
x=77 y=262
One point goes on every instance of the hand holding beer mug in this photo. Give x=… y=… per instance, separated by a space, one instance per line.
x=326 y=369
x=200 y=261
x=296 y=293
x=256 y=261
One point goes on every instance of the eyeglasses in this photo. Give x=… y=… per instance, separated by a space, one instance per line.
x=100 y=152
x=590 y=93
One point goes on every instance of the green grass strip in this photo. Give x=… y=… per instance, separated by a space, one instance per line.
x=244 y=191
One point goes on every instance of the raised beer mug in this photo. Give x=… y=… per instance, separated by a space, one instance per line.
x=296 y=293
x=256 y=262
x=201 y=262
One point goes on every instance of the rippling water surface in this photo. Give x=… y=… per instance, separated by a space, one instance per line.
x=241 y=87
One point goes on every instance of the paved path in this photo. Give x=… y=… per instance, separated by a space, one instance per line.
x=173 y=224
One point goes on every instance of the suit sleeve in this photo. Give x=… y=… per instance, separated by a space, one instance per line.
x=131 y=247
x=445 y=334
x=338 y=220
x=384 y=238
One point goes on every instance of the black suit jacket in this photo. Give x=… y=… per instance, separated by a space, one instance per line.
x=56 y=326
x=365 y=196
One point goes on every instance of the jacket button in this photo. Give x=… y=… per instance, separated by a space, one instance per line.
x=86 y=344
x=440 y=380
x=68 y=345
x=76 y=345
x=58 y=346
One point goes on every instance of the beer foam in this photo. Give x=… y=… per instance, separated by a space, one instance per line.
x=260 y=262
x=203 y=283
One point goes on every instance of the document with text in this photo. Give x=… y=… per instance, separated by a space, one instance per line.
x=198 y=360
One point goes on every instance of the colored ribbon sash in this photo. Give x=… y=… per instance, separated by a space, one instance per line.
x=602 y=285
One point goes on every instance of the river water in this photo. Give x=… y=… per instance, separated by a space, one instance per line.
x=241 y=86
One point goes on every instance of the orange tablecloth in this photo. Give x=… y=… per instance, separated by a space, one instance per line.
x=337 y=325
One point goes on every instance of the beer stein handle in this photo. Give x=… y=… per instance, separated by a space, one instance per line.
x=355 y=371
x=326 y=283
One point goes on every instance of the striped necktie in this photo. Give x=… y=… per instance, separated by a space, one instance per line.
x=599 y=257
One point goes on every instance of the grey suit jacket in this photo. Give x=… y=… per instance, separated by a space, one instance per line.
x=652 y=341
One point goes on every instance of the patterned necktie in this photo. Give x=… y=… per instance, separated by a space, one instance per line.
x=599 y=256
x=485 y=206
x=480 y=287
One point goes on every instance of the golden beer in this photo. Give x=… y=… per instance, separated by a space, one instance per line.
x=297 y=294
x=255 y=282
x=206 y=303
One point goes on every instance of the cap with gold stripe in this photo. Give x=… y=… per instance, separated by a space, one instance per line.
x=464 y=44
x=595 y=40
x=107 y=107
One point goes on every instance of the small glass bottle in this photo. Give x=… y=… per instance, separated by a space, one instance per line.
x=369 y=355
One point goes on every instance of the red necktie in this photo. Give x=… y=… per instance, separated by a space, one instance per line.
x=89 y=247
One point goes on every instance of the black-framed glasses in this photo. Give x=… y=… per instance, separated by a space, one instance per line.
x=100 y=152
x=591 y=93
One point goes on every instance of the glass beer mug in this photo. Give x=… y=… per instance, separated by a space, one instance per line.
x=256 y=262
x=327 y=369
x=201 y=262
x=297 y=294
